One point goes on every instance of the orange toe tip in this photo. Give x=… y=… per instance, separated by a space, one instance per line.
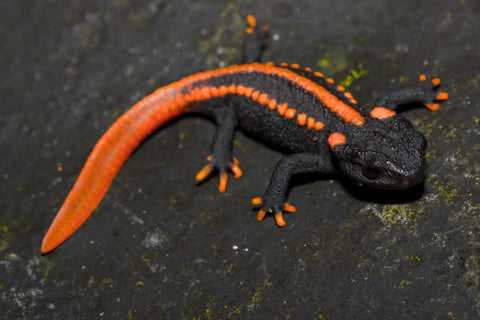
x=261 y=215
x=432 y=107
x=436 y=82
x=257 y=200
x=279 y=219
x=289 y=208
x=223 y=182
x=442 y=96
x=237 y=172
x=203 y=173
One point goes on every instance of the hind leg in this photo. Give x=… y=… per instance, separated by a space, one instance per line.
x=256 y=41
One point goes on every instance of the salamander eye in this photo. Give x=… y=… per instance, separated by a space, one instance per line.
x=373 y=173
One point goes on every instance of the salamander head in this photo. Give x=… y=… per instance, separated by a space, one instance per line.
x=385 y=153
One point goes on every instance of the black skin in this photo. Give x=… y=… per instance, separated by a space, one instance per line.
x=385 y=153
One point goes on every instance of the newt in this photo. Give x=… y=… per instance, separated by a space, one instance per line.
x=295 y=109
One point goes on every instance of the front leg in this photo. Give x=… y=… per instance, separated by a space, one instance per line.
x=273 y=200
x=423 y=91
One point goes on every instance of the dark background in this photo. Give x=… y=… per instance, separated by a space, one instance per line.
x=159 y=246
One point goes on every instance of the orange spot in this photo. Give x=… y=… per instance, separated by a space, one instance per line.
x=422 y=77
x=263 y=98
x=340 y=88
x=284 y=64
x=330 y=80
x=348 y=95
x=270 y=63
x=310 y=122
x=261 y=215
x=282 y=108
x=290 y=113
x=231 y=89
x=240 y=90
x=435 y=82
x=248 y=92
x=222 y=186
x=336 y=138
x=318 y=74
x=381 y=113
x=255 y=95
x=279 y=219
x=442 y=96
x=302 y=119
x=272 y=104
x=252 y=22
x=318 y=125
x=308 y=69
x=295 y=65
x=257 y=200
x=249 y=30
x=222 y=90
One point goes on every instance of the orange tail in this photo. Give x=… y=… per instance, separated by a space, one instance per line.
x=108 y=156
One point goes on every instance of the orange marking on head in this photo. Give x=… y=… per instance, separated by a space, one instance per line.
x=340 y=88
x=307 y=69
x=381 y=113
x=295 y=65
x=442 y=96
x=272 y=104
x=330 y=80
x=336 y=138
x=435 y=82
x=255 y=95
x=318 y=125
x=318 y=74
x=252 y=22
x=290 y=113
x=263 y=98
x=310 y=122
x=302 y=119
x=422 y=77
x=282 y=108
